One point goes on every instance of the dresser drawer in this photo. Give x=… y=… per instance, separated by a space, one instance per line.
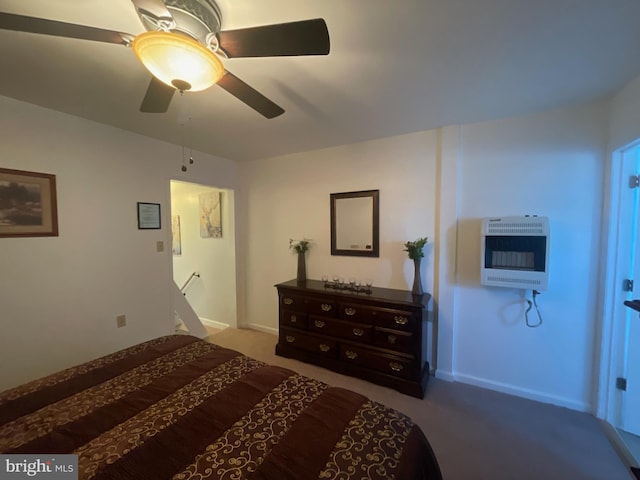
x=356 y=312
x=321 y=306
x=395 y=319
x=292 y=302
x=293 y=319
x=383 y=317
x=310 y=343
x=348 y=330
x=389 y=364
x=394 y=339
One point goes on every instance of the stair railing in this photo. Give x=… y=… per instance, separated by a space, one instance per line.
x=194 y=274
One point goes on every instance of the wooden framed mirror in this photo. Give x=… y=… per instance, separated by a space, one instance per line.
x=355 y=223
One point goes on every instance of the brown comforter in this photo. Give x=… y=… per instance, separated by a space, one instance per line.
x=179 y=407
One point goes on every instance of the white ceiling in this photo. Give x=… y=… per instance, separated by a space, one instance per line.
x=395 y=67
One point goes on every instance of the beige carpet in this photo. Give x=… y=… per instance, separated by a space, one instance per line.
x=477 y=434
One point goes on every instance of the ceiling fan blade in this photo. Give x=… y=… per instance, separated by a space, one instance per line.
x=249 y=96
x=155 y=9
x=157 y=98
x=21 y=23
x=307 y=37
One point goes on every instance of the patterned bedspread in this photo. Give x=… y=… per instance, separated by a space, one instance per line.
x=181 y=408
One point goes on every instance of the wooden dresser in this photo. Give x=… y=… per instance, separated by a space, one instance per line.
x=378 y=336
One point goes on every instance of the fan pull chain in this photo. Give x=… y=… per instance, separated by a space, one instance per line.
x=190 y=145
x=184 y=156
x=184 y=167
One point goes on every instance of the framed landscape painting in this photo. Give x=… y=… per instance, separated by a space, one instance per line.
x=28 y=205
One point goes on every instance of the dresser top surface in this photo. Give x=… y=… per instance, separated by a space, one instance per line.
x=377 y=293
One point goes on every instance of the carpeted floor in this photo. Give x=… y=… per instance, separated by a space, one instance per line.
x=477 y=434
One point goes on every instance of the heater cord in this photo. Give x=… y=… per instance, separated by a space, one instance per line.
x=526 y=313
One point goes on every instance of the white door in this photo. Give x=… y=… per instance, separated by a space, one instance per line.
x=630 y=403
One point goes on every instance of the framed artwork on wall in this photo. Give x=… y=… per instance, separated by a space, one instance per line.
x=28 y=204
x=211 y=215
x=148 y=216
x=355 y=223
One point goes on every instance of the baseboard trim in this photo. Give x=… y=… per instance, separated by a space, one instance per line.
x=214 y=324
x=261 y=328
x=524 y=393
x=446 y=376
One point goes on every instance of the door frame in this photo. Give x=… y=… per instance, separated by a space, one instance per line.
x=232 y=219
x=614 y=268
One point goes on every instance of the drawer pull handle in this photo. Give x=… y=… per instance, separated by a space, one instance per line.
x=400 y=320
x=288 y=301
x=391 y=339
x=294 y=319
x=324 y=347
x=358 y=332
x=319 y=323
x=350 y=311
x=291 y=338
x=351 y=355
x=395 y=366
x=325 y=307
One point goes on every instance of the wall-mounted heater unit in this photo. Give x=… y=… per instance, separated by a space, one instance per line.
x=515 y=252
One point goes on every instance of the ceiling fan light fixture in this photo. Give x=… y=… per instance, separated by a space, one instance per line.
x=178 y=60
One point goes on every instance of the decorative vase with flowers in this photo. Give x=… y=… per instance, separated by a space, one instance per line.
x=300 y=247
x=415 y=252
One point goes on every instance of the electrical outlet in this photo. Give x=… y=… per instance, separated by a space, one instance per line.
x=121 y=320
x=160 y=246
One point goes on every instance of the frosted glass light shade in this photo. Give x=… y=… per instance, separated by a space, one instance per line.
x=178 y=60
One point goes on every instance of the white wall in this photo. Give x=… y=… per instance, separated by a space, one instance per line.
x=288 y=197
x=212 y=295
x=59 y=296
x=548 y=164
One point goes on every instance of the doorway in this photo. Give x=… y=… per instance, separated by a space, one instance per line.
x=203 y=247
x=621 y=345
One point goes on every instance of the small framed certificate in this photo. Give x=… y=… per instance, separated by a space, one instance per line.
x=148 y=216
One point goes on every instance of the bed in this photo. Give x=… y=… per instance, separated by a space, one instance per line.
x=178 y=407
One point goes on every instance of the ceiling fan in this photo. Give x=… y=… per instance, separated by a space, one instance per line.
x=183 y=45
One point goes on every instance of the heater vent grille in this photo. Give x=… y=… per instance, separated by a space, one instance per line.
x=515 y=281
x=522 y=228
